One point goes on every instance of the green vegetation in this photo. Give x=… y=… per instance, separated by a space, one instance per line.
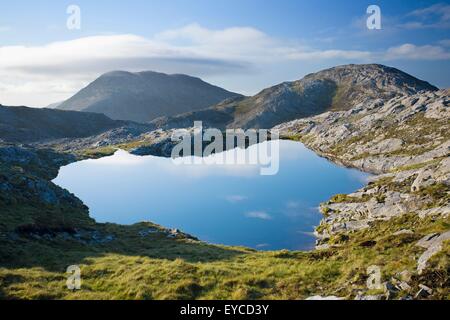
x=156 y=267
x=417 y=166
x=439 y=194
x=343 y=198
x=97 y=153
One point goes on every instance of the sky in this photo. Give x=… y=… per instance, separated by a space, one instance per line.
x=241 y=45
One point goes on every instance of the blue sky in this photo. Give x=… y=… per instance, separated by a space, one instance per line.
x=243 y=46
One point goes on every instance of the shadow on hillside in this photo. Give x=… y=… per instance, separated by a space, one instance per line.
x=56 y=254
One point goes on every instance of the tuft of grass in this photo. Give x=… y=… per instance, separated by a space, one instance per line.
x=97 y=153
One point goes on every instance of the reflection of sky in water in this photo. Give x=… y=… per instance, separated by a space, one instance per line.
x=227 y=204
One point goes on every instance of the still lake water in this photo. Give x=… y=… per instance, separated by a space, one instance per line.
x=223 y=204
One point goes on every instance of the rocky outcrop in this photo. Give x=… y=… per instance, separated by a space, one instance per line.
x=27 y=194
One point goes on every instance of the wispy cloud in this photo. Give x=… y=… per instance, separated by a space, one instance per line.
x=445 y=42
x=295 y=209
x=293 y=205
x=259 y=215
x=236 y=198
x=435 y=16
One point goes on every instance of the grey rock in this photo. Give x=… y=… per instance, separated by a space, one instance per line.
x=428 y=240
x=403 y=231
x=149 y=231
x=423 y=180
x=433 y=244
x=423 y=292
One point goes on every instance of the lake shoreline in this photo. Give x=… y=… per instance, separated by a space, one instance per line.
x=251 y=205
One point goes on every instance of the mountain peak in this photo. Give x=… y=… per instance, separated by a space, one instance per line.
x=144 y=96
x=337 y=88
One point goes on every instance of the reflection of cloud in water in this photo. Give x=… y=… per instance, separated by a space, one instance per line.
x=120 y=157
x=259 y=215
x=123 y=158
x=295 y=208
x=359 y=176
x=300 y=152
x=213 y=165
x=307 y=233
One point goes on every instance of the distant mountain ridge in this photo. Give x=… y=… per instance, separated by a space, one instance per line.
x=27 y=125
x=144 y=96
x=338 y=88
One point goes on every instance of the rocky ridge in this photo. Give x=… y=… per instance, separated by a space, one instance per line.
x=338 y=88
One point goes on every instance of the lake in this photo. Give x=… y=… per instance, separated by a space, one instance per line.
x=221 y=204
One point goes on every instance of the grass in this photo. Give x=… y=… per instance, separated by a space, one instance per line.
x=438 y=193
x=344 y=198
x=97 y=153
x=155 y=267
x=417 y=165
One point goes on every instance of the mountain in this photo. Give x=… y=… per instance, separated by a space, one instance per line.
x=25 y=125
x=338 y=88
x=145 y=96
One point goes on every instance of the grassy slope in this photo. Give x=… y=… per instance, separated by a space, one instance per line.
x=156 y=267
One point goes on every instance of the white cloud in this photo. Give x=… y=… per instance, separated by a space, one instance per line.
x=259 y=215
x=413 y=52
x=330 y=54
x=40 y=75
x=226 y=37
x=441 y=10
